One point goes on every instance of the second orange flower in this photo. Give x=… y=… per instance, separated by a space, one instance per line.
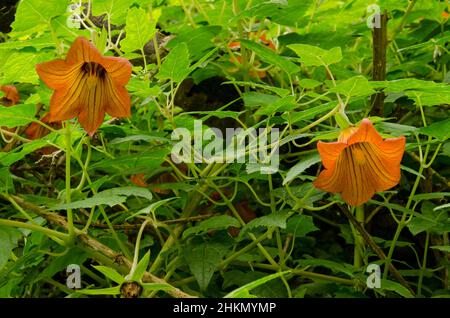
x=360 y=163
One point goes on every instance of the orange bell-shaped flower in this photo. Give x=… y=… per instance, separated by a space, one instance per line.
x=11 y=95
x=360 y=163
x=87 y=85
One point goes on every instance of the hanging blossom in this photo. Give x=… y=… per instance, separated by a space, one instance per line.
x=11 y=95
x=87 y=85
x=360 y=163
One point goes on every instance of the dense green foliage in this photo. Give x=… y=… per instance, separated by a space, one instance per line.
x=117 y=205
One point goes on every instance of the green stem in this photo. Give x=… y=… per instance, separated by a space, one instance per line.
x=359 y=241
x=424 y=265
x=136 y=250
x=68 y=135
x=36 y=228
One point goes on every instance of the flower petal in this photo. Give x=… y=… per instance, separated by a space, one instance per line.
x=92 y=104
x=65 y=103
x=329 y=152
x=11 y=93
x=58 y=74
x=83 y=51
x=118 y=68
x=118 y=103
x=365 y=133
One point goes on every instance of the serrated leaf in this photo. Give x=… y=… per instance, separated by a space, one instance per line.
x=8 y=158
x=213 y=223
x=151 y=208
x=316 y=56
x=115 y=9
x=281 y=105
x=198 y=40
x=276 y=219
x=301 y=166
x=433 y=97
x=356 y=86
x=439 y=130
x=110 y=197
x=139 y=30
x=176 y=64
x=256 y=99
x=147 y=159
x=300 y=225
x=31 y=13
x=269 y=56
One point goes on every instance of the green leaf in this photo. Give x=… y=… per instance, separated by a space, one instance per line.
x=244 y=291
x=115 y=9
x=213 y=223
x=38 y=43
x=256 y=99
x=18 y=115
x=277 y=90
x=433 y=97
x=151 y=208
x=156 y=286
x=176 y=64
x=8 y=241
x=439 y=130
x=8 y=158
x=104 y=291
x=203 y=258
x=198 y=40
x=333 y=266
x=308 y=113
x=269 y=56
x=141 y=268
x=110 y=273
x=405 y=84
x=6 y=183
x=442 y=248
x=110 y=197
x=301 y=166
x=429 y=220
x=31 y=13
x=309 y=83
x=284 y=104
x=300 y=225
x=276 y=219
x=221 y=114
x=356 y=86
x=151 y=159
x=139 y=30
x=316 y=56
x=59 y=264
x=397 y=129
x=396 y=287
x=443 y=206
x=20 y=67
